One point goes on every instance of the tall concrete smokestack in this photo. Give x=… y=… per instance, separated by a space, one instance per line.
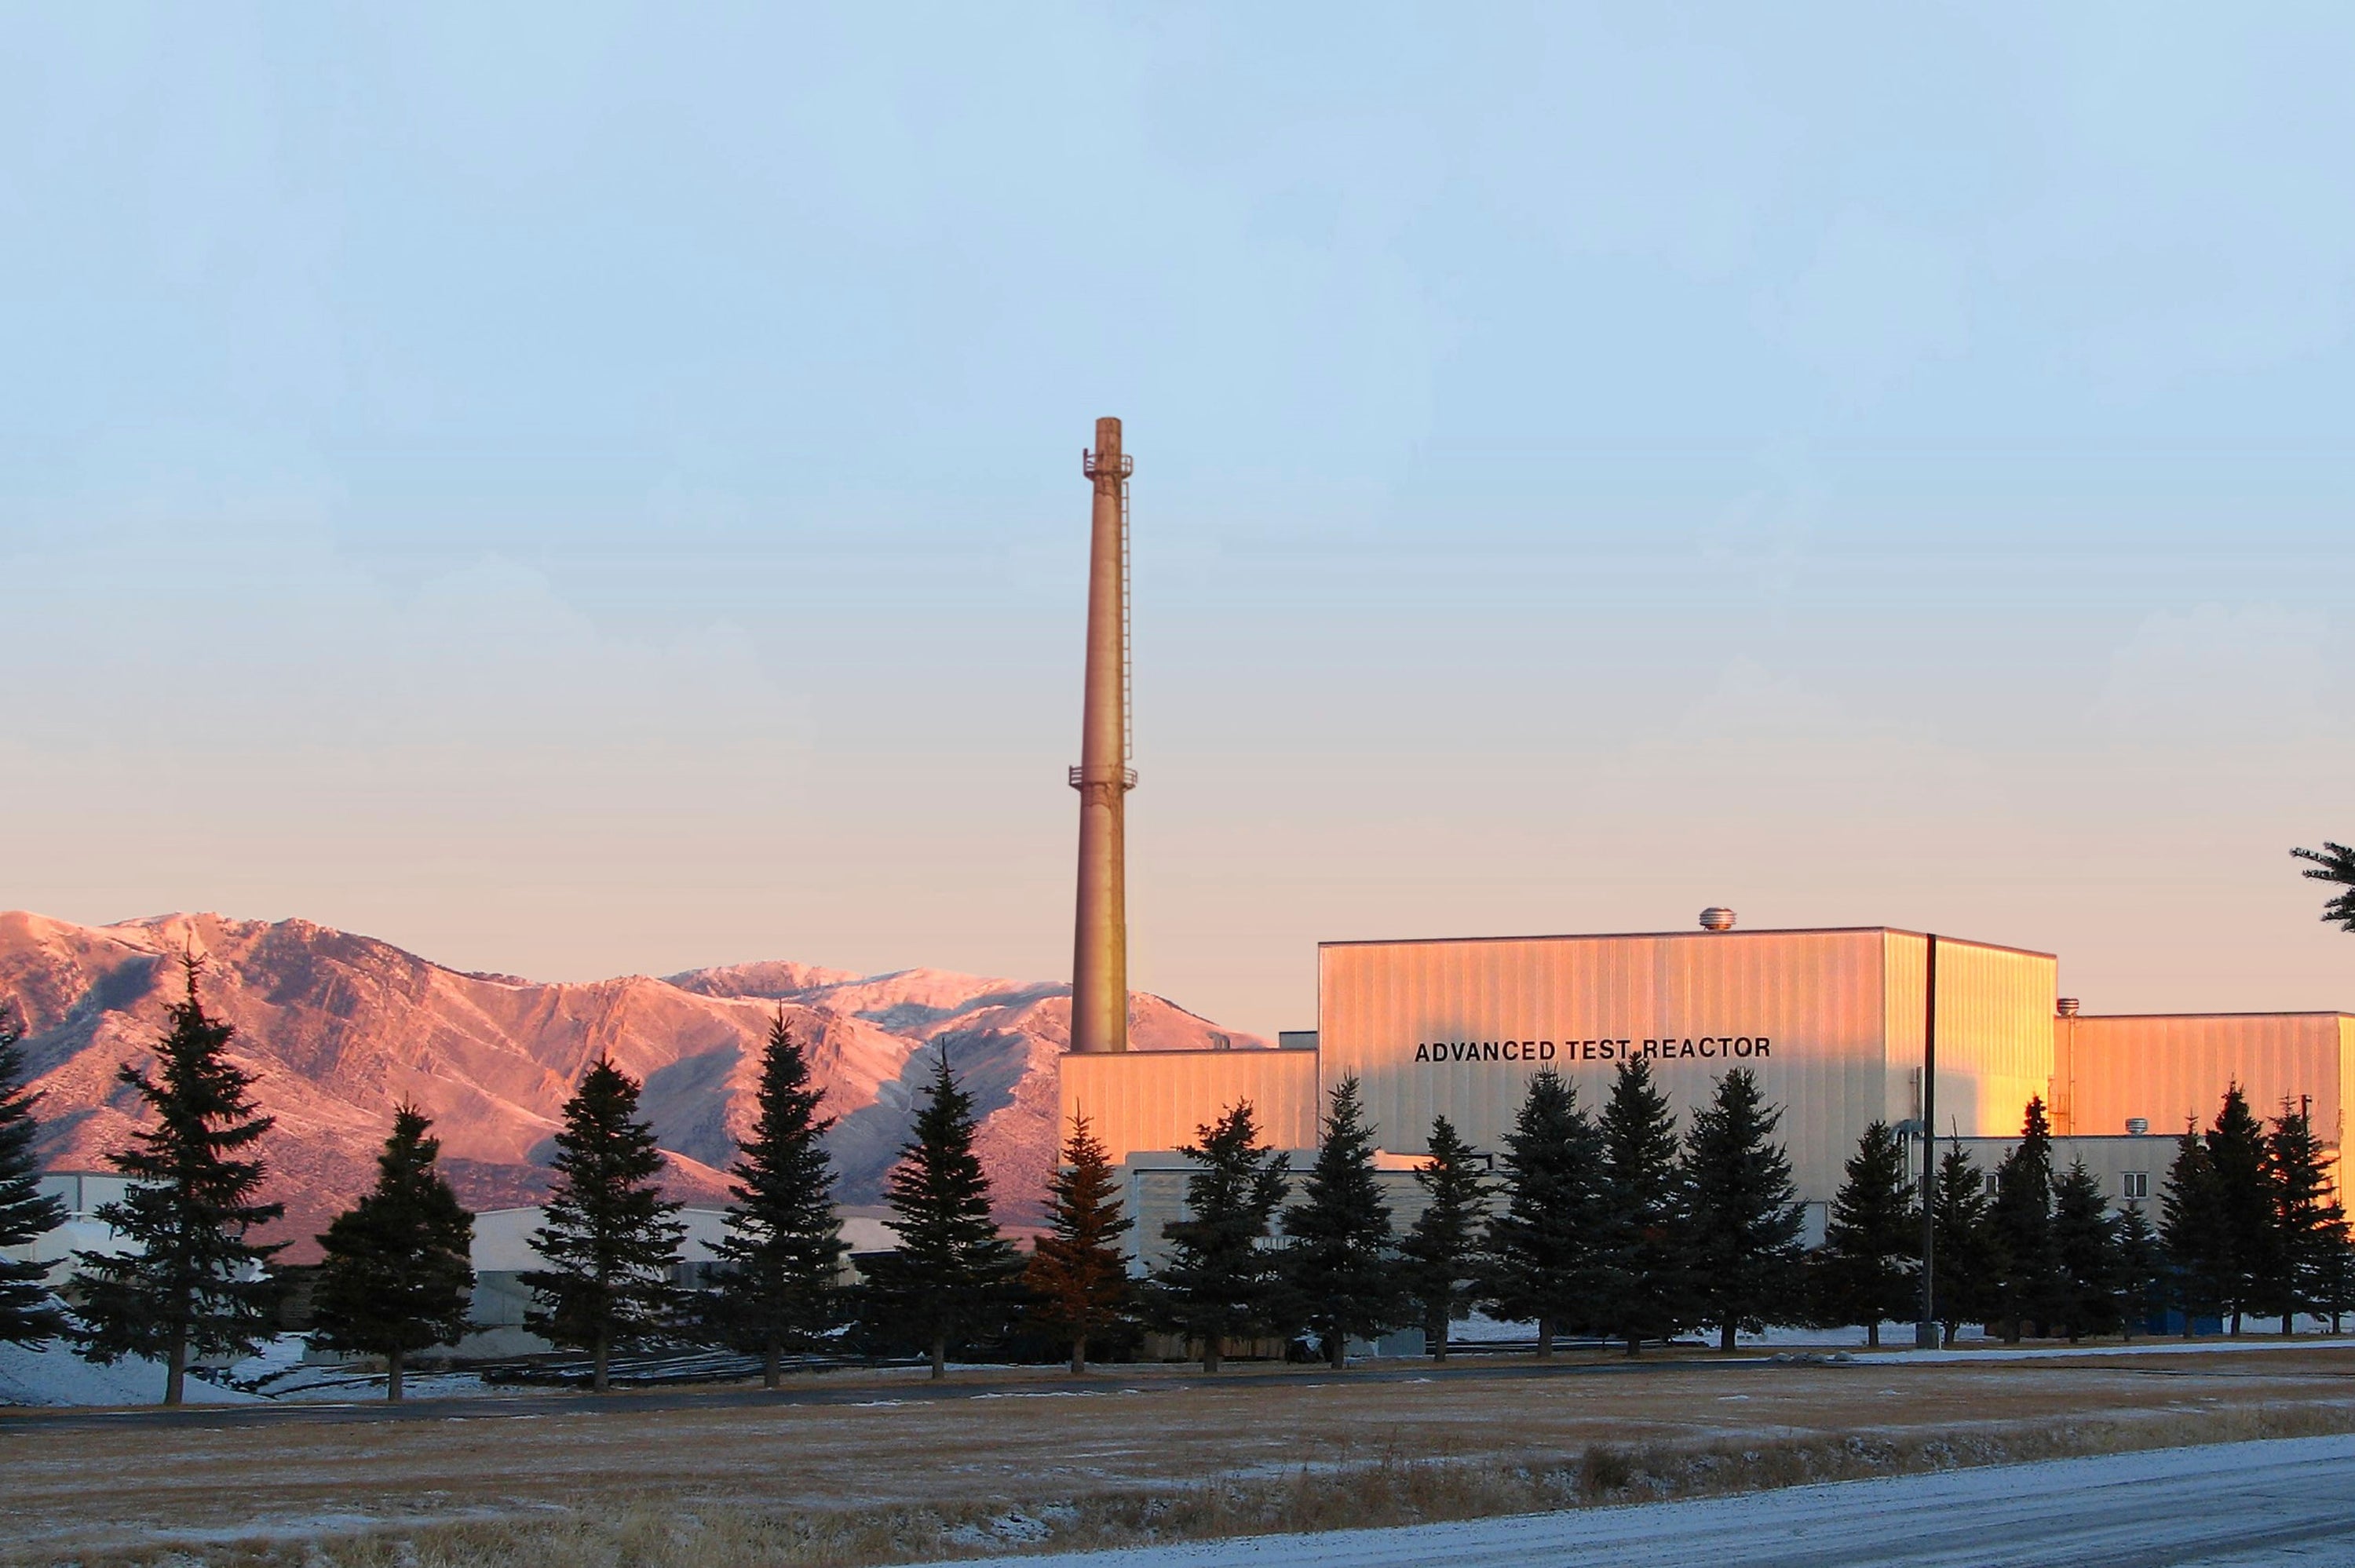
x=1099 y=946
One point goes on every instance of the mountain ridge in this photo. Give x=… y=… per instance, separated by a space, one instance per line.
x=338 y=1028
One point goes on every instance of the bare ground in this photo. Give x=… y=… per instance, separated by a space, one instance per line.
x=1147 y=1455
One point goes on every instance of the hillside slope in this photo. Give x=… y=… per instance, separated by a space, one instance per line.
x=337 y=1029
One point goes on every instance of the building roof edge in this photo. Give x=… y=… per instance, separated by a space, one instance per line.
x=1693 y=936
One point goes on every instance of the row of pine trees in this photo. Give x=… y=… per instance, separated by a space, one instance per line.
x=1609 y=1224
x=2249 y=1225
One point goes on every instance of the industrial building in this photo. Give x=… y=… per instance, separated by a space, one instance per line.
x=1842 y=1027
x=1833 y=1023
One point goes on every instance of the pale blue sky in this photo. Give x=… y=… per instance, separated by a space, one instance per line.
x=580 y=490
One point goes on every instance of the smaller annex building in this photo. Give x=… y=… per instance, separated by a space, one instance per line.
x=1834 y=1023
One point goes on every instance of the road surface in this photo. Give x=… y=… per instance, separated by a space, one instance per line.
x=2284 y=1504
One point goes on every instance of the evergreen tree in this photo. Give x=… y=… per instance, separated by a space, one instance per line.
x=2085 y=1244
x=190 y=1284
x=397 y=1275
x=1638 y=1244
x=2307 y=1219
x=1542 y=1246
x=1963 y=1280
x=610 y=1238
x=2334 y=863
x=2027 y=1268
x=1871 y=1267
x=2191 y=1224
x=1221 y=1280
x=1078 y=1276
x=29 y=1314
x=1742 y=1215
x=1340 y=1257
x=1441 y=1249
x=2142 y=1270
x=2252 y=1273
x=2334 y=1286
x=952 y=1279
x=779 y=1283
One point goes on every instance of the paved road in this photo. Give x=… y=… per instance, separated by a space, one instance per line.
x=2288 y=1504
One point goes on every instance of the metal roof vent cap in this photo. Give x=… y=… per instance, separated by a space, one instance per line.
x=2066 y=1007
x=1717 y=917
x=2137 y=1127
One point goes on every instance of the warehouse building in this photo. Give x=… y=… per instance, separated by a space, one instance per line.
x=1836 y=1024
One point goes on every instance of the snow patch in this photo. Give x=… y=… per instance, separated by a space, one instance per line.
x=51 y=1374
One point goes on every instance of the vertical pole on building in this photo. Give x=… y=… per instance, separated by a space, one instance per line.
x=1925 y=1332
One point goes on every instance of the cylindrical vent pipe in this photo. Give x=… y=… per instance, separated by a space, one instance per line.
x=1717 y=917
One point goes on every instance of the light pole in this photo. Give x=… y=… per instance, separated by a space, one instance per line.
x=1926 y=1330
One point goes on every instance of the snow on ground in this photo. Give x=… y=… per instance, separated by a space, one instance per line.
x=2001 y=1352
x=53 y=1374
x=2234 y=1505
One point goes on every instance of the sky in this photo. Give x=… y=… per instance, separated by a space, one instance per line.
x=585 y=490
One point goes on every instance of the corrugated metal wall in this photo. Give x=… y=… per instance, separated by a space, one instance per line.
x=1403 y=1016
x=1830 y=1022
x=1995 y=1032
x=1149 y=1100
x=2169 y=1068
x=2111 y=1160
x=2337 y=1126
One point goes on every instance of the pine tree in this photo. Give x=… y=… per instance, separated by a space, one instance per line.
x=778 y=1284
x=2086 y=1248
x=29 y=1314
x=1638 y=1246
x=1221 y=1281
x=1870 y=1267
x=2334 y=863
x=2253 y=1264
x=1442 y=1250
x=2028 y=1273
x=610 y=1238
x=1964 y=1280
x=2334 y=1288
x=952 y=1278
x=1542 y=1246
x=1743 y=1216
x=1340 y=1259
x=2142 y=1270
x=2191 y=1224
x=190 y=1283
x=397 y=1275
x=1078 y=1276
x=2307 y=1219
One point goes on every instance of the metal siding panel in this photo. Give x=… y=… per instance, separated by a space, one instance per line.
x=1815 y=996
x=2109 y=1158
x=1994 y=1030
x=2172 y=1069
x=1151 y=1100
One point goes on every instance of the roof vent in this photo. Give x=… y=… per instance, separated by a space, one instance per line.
x=2066 y=1007
x=1717 y=917
x=2137 y=1127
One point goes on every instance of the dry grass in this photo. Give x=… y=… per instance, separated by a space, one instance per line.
x=621 y=1491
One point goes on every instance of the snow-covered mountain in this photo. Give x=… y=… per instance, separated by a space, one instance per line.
x=337 y=1029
